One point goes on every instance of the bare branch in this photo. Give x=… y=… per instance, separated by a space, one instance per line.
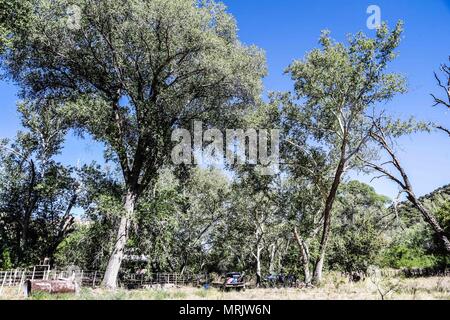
x=443 y=129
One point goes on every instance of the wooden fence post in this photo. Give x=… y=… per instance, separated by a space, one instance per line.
x=34 y=270
x=22 y=278
x=95 y=277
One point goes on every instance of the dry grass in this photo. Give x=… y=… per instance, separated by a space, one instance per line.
x=333 y=288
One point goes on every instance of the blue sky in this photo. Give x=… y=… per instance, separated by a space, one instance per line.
x=287 y=29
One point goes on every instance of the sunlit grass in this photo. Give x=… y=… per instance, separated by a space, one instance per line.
x=334 y=287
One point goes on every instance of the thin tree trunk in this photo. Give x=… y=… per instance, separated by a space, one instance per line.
x=305 y=256
x=272 y=258
x=115 y=261
x=258 y=265
x=184 y=265
x=327 y=221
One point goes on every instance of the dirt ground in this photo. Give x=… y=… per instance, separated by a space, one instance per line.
x=333 y=288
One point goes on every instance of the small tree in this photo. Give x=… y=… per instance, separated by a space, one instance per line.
x=255 y=206
x=385 y=285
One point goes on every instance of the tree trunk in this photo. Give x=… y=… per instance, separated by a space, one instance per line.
x=327 y=221
x=184 y=265
x=64 y=228
x=30 y=206
x=272 y=258
x=24 y=234
x=112 y=270
x=258 y=266
x=305 y=256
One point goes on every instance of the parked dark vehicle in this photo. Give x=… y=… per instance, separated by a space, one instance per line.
x=279 y=281
x=234 y=280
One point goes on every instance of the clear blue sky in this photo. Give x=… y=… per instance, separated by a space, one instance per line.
x=287 y=29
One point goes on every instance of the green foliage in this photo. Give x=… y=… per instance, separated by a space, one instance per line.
x=443 y=215
x=338 y=83
x=403 y=256
x=94 y=231
x=37 y=194
x=415 y=247
x=358 y=228
x=131 y=72
x=5 y=260
x=69 y=254
x=355 y=249
x=418 y=232
x=14 y=19
x=328 y=119
x=136 y=70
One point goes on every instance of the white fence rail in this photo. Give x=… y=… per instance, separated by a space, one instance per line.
x=17 y=277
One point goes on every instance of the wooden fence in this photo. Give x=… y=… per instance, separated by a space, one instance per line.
x=132 y=281
x=17 y=277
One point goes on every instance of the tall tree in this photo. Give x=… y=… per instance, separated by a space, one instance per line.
x=37 y=194
x=336 y=85
x=132 y=71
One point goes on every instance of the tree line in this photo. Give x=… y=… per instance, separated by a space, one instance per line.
x=131 y=73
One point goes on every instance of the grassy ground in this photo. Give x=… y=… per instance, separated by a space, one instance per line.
x=334 y=288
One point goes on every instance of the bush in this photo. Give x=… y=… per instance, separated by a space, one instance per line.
x=5 y=260
x=401 y=256
x=355 y=248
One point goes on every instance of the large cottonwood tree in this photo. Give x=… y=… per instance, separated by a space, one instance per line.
x=131 y=71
